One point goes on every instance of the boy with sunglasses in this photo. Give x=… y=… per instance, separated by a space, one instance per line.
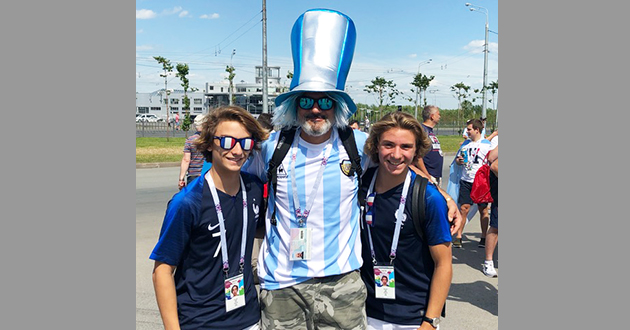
x=208 y=232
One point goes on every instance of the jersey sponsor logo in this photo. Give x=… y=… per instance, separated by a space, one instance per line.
x=211 y=227
x=345 y=166
x=282 y=174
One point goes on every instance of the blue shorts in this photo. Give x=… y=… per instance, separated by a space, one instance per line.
x=494 y=215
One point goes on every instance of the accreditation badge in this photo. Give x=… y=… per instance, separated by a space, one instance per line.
x=300 y=244
x=384 y=281
x=234 y=292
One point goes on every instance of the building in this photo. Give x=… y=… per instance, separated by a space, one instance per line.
x=246 y=95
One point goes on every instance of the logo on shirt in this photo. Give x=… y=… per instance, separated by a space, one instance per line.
x=282 y=174
x=256 y=209
x=346 y=166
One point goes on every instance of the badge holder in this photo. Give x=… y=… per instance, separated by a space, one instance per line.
x=234 y=292
x=300 y=244
x=385 y=282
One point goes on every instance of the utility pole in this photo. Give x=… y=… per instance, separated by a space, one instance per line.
x=231 y=84
x=265 y=89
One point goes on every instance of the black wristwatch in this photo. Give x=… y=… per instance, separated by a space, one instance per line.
x=432 y=321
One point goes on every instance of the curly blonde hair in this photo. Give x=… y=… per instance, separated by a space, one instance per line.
x=400 y=120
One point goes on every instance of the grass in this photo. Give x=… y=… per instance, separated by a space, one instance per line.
x=158 y=150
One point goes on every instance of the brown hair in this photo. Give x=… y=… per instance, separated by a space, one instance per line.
x=227 y=113
x=476 y=124
x=400 y=120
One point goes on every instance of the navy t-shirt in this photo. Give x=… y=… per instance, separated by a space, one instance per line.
x=190 y=240
x=434 y=159
x=413 y=265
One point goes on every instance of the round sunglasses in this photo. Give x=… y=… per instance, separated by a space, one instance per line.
x=228 y=142
x=324 y=102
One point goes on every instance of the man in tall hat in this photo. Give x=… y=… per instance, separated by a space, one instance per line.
x=309 y=261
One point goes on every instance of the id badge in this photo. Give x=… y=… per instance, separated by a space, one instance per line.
x=234 y=293
x=300 y=244
x=385 y=284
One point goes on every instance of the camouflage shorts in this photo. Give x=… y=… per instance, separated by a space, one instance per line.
x=333 y=302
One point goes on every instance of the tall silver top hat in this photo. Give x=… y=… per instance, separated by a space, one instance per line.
x=322 y=43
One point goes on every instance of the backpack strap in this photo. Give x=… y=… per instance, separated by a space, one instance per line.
x=282 y=148
x=347 y=138
x=417 y=204
x=417 y=211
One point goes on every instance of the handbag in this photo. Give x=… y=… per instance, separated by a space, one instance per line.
x=480 y=191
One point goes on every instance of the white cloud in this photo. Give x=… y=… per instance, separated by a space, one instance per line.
x=206 y=16
x=476 y=47
x=183 y=13
x=144 y=47
x=175 y=10
x=145 y=14
x=413 y=55
x=139 y=31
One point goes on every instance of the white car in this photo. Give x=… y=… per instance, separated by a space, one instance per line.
x=148 y=118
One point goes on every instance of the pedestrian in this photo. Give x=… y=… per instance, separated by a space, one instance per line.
x=470 y=156
x=205 y=243
x=420 y=265
x=354 y=124
x=433 y=161
x=177 y=120
x=311 y=254
x=192 y=161
x=492 y=237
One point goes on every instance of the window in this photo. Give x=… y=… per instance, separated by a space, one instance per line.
x=143 y=109
x=174 y=101
x=156 y=108
x=174 y=109
x=197 y=101
x=197 y=109
x=211 y=88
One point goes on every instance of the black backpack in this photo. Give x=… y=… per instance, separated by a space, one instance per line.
x=282 y=148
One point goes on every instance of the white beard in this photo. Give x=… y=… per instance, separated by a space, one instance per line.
x=310 y=130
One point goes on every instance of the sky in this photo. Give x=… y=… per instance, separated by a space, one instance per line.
x=395 y=40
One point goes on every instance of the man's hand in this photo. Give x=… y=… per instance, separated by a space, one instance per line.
x=454 y=216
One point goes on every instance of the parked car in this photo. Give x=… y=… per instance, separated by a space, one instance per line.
x=148 y=118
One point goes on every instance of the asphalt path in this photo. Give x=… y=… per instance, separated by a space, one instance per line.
x=472 y=302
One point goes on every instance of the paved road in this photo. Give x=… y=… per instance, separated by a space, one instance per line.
x=472 y=302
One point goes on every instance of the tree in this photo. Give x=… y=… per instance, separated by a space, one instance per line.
x=167 y=67
x=230 y=70
x=182 y=73
x=461 y=90
x=384 y=89
x=493 y=87
x=421 y=82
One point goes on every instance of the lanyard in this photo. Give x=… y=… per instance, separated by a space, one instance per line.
x=301 y=216
x=217 y=204
x=399 y=215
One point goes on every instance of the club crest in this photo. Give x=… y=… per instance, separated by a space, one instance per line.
x=346 y=166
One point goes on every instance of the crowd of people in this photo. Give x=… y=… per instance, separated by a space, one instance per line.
x=332 y=210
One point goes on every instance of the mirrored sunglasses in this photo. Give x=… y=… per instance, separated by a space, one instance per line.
x=228 y=142
x=324 y=102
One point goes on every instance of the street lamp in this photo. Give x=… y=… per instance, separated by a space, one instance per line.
x=233 y=53
x=485 y=56
x=418 y=88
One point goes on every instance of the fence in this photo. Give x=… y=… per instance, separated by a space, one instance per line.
x=159 y=129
